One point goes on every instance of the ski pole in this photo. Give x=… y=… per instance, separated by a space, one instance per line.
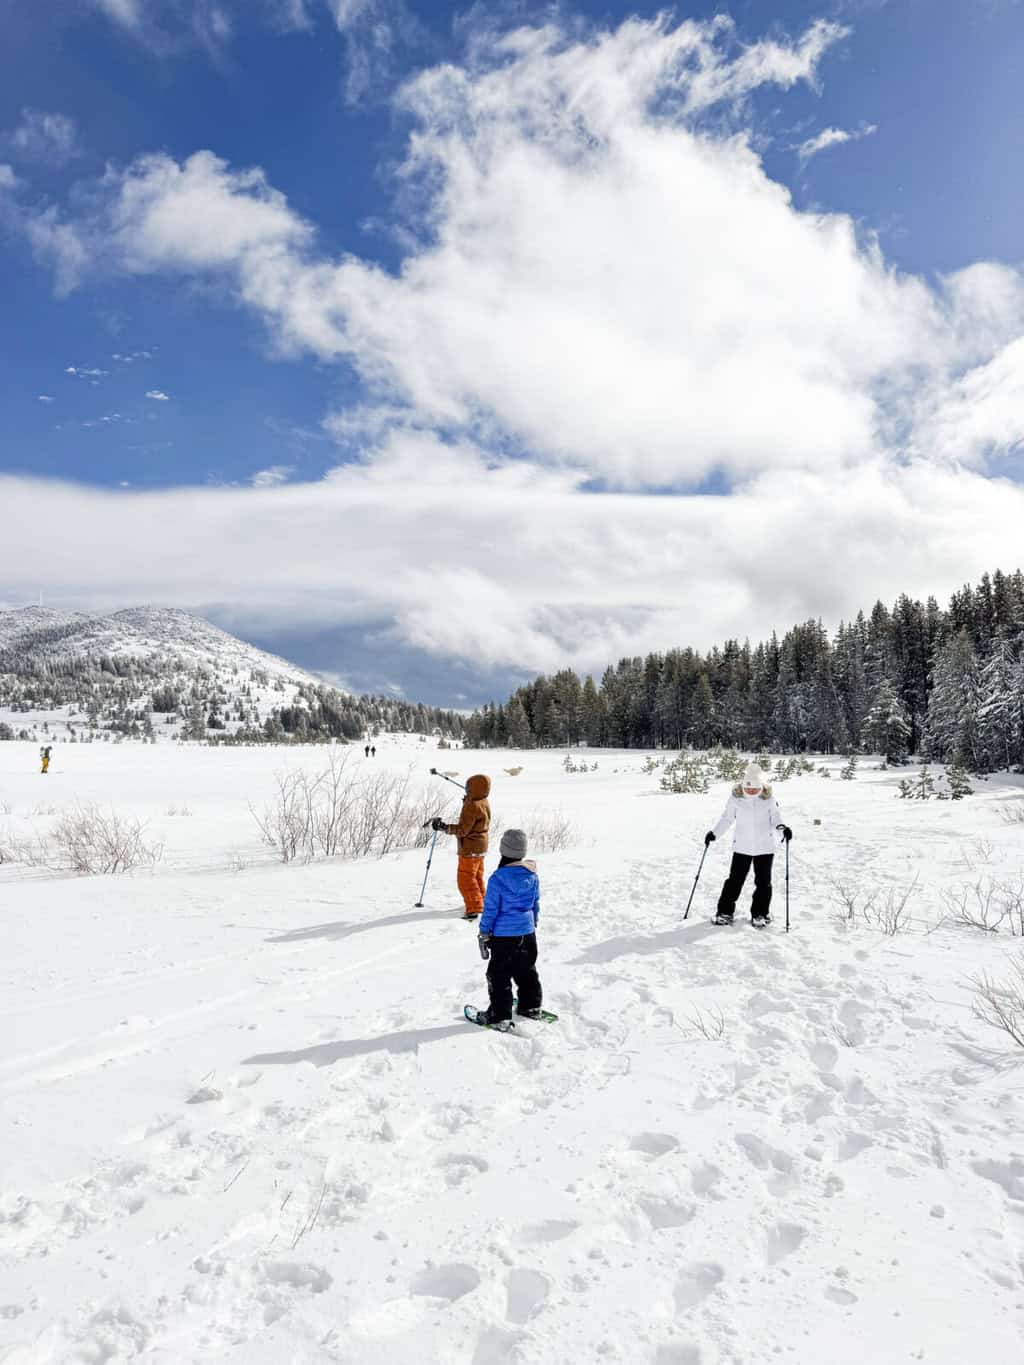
x=787 y=886
x=696 y=880
x=445 y=778
x=430 y=859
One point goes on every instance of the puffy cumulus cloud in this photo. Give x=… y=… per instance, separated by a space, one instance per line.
x=527 y=571
x=601 y=281
x=602 y=278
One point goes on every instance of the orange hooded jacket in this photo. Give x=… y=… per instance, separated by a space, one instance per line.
x=475 y=821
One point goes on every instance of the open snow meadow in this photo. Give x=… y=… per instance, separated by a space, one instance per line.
x=244 y=1122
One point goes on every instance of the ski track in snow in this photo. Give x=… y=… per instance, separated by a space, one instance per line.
x=362 y=1177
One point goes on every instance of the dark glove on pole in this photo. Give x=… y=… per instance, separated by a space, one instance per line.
x=484 y=944
x=709 y=838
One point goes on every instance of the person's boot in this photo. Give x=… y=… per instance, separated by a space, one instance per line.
x=722 y=918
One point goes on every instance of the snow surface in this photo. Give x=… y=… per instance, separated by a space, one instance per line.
x=244 y=1123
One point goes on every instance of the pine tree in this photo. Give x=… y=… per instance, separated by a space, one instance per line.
x=886 y=727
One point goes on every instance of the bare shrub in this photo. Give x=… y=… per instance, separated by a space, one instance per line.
x=336 y=813
x=93 y=841
x=550 y=831
x=852 y=900
x=1011 y=812
x=989 y=905
x=710 y=1025
x=892 y=915
x=1000 y=1004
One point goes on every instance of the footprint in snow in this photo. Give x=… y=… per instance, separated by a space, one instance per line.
x=653 y=1145
x=673 y=1354
x=496 y=1346
x=460 y=1167
x=527 y=1290
x=553 y=1230
x=695 y=1283
x=782 y=1240
x=449 y=1282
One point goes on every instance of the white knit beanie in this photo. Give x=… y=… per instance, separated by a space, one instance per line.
x=753 y=776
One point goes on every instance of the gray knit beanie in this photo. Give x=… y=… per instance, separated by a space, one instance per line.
x=513 y=844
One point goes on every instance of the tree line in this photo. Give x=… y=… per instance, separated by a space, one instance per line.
x=947 y=684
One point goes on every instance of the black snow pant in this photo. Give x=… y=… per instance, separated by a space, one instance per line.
x=513 y=959
x=733 y=884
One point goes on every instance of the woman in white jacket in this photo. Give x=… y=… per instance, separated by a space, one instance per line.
x=758 y=819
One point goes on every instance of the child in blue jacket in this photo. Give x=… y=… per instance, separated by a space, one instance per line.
x=508 y=932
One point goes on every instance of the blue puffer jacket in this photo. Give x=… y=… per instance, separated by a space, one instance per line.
x=512 y=903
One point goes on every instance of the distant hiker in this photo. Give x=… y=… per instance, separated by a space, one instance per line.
x=366 y=751
x=508 y=933
x=373 y=751
x=757 y=817
x=472 y=831
x=44 y=754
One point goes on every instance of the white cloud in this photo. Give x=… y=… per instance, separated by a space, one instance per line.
x=8 y=180
x=46 y=398
x=86 y=372
x=272 y=477
x=44 y=136
x=127 y=13
x=158 y=395
x=609 y=284
x=291 y=16
x=556 y=576
x=832 y=137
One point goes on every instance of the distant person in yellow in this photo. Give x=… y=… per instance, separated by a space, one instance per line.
x=45 y=756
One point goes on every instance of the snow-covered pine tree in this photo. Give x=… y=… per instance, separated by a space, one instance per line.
x=886 y=727
x=1000 y=702
x=953 y=705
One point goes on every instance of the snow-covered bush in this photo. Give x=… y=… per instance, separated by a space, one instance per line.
x=919 y=788
x=849 y=772
x=686 y=773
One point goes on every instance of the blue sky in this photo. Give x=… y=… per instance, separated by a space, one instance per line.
x=146 y=367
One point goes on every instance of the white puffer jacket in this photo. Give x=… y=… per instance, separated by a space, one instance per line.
x=756 y=819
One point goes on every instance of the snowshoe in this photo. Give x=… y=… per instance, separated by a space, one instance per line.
x=483 y=1018
x=544 y=1016
x=722 y=919
x=760 y=921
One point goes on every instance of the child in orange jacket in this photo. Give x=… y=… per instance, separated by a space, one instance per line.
x=472 y=831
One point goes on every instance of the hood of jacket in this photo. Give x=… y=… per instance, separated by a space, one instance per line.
x=478 y=787
x=765 y=794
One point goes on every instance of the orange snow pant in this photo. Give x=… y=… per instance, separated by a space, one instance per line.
x=46 y=764
x=471 y=883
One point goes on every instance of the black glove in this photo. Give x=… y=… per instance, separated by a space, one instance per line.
x=709 y=838
x=484 y=944
x=787 y=833
x=438 y=825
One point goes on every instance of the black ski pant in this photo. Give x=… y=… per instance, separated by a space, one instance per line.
x=733 y=884
x=513 y=959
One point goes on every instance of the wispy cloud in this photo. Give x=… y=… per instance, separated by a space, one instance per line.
x=86 y=372
x=126 y=13
x=272 y=477
x=44 y=137
x=46 y=398
x=832 y=137
x=158 y=395
x=8 y=180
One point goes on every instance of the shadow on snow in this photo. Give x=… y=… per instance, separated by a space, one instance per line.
x=326 y=1054
x=642 y=945
x=341 y=929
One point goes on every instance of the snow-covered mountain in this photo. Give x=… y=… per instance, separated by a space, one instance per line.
x=164 y=637
x=155 y=672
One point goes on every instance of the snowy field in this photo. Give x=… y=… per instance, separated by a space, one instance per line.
x=838 y=1177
